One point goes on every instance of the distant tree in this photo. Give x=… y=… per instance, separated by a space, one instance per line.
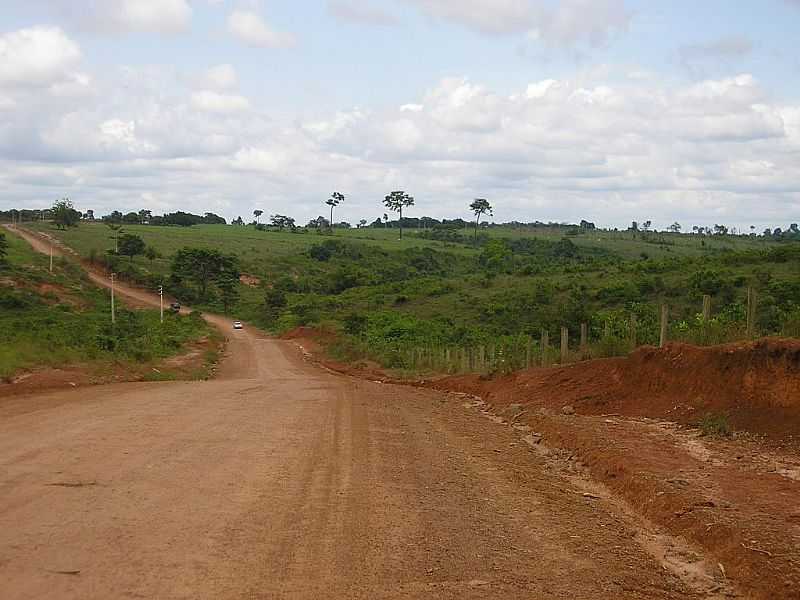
x=319 y=223
x=282 y=222
x=116 y=231
x=211 y=219
x=720 y=230
x=396 y=202
x=114 y=217
x=238 y=221
x=274 y=302
x=385 y=220
x=257 y=214
x=145 y=216
x=151 y=253
x=228 y=284
x=204 y=267
x=480 y=206
x=362 y=223
x=88 y=215
x=64 y=215
x=335 y=200
x=646 y=225
x=588 y=225
x=675 y=227
x=131 y=218
x=634 y=226
x=131 y=245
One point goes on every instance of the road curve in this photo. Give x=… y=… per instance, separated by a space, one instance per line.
x=281 y=480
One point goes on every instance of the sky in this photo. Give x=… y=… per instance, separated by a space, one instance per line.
x=605 y=110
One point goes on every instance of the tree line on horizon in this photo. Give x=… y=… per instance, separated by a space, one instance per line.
x=63 y=215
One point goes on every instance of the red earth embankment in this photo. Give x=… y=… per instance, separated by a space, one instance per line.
x=755 y=385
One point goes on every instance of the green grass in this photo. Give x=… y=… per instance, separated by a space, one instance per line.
x=389 y=296
x=60 y=319
x=715 y=425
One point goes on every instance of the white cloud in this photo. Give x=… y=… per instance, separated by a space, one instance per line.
x=595 y=146
x=220 y=103
x=220 y=77
x=567 y=23
x=36 y=56
x=114 y=16
x=361 y=13
x=249 y=28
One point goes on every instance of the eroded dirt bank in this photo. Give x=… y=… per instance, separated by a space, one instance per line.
x=755 y=385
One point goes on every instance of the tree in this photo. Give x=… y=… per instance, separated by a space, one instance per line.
x=675 y=227
x=480 y=206
x=130 y=245
x=228 y=284
x=204 y=267
x=257 y=214
x=238 y=221
x=114 y=217
x=282 y=222
x=396 y=202
x=335 y=200
x=151 y=253
x=145 y=216
x=319 y=223
x=116 y=232
x=646 y=225
x=64 y=215
x=362 y=223
x=88 y=215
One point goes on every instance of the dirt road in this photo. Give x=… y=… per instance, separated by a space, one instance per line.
x=281 y=480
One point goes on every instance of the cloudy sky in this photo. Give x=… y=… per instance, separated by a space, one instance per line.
x=610 y=110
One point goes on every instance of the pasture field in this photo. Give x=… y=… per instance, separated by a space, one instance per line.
x=383 y=296
x=61 y=319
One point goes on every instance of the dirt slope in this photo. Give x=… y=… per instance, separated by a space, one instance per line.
x=756 y=385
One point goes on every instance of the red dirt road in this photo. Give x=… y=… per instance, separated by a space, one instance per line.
x=282 y=480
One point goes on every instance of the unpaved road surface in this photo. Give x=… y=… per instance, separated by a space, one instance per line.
x=282 y=480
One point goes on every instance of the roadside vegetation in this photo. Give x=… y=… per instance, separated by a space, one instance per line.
x=62 y=319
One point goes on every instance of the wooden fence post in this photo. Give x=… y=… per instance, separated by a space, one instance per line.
x=584 y=336
x=751 y=311
x=633 y=331
x=528 y=352
x=664 y=323
x=564 y=345
x=545 y=344
x=706 y=308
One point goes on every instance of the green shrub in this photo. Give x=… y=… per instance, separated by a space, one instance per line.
x=715 y=425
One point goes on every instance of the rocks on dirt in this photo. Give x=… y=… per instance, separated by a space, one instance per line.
x=567 y=409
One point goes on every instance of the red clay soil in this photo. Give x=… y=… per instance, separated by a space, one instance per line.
x=738 y=499
x=756 y=385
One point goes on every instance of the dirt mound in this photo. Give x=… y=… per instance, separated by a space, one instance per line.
x=755 y=385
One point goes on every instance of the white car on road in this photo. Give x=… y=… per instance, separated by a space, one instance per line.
x=238 y=325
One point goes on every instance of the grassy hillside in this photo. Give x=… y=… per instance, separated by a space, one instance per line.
x=61 y=319
x=389 y=296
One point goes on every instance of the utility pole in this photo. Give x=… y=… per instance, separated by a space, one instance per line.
x=113 y=314
x=161 y=301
